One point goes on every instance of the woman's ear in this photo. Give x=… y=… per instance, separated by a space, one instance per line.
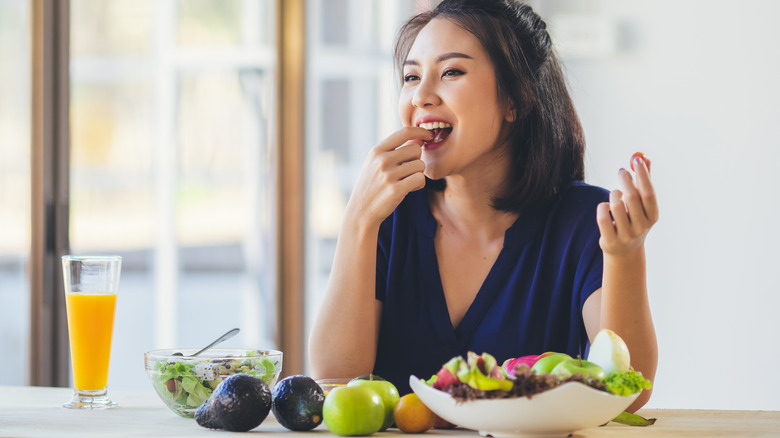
x=511 y=113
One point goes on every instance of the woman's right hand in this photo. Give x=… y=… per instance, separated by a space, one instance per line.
x=392 y=169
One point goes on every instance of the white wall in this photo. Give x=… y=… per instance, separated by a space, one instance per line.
x=699 y=92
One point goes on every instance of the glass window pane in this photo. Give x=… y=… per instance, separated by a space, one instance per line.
x=15 y=74
x=217 y=17
x=351 y=105
x=171 y=167
x=335 y=29
x=110 y=28
x=335 y=124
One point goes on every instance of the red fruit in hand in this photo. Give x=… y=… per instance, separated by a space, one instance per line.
x=636 y=155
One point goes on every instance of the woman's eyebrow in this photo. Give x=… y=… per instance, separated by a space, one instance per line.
x=441 y=58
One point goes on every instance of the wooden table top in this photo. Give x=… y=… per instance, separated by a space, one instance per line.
x=38 y=412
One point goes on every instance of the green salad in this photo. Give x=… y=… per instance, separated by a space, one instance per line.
x=184 y=384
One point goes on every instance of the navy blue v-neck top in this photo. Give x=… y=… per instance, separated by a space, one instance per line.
x=530 y=302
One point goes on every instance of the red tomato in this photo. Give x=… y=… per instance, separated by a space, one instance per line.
x=637 y=155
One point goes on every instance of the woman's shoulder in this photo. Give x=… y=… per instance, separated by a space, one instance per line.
x=582 y=192
x=574 y=211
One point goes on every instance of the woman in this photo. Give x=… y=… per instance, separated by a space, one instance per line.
x=470 y=228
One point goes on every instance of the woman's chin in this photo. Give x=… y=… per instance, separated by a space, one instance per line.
x=434 y=166
x=432 y=173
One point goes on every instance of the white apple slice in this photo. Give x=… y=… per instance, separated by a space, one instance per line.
x=609 y=352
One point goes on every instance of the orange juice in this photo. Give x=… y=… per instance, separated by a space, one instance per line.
x=90 y=326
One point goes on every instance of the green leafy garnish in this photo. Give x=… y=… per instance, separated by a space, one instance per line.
x=626 y=383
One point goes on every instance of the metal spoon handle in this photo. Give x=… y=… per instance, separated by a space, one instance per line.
x=224 y=337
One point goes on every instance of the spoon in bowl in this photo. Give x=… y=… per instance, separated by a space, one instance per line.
x=222 y=338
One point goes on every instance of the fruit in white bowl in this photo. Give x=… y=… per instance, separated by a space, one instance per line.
x=546 y=364
x=558 y=412
x=569 y=367
x=549 y=394
x=610 y=352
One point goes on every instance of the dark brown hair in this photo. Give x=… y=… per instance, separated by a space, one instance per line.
x=546 y=142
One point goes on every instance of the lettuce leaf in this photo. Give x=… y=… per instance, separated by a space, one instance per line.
x=197 y=392
x=626 y=383
x=269 y=370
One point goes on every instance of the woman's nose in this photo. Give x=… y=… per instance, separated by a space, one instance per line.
x=425 y=95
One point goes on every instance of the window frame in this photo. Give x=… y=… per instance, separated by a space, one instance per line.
x=50 y=94
x=50 y=140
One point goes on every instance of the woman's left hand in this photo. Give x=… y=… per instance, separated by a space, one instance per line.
x=633 y=210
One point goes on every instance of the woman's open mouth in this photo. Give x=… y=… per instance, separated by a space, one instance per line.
x=439 y=131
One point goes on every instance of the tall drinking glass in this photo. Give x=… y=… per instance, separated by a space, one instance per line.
x=91 y=284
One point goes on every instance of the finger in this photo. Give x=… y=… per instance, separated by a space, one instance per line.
x=398 y=138
x=410 y=151
x=632 y=200
x=604 y=221
x=406 y=169
x=646 y=190
x=413 y=182
x=619 y=214
x=647 y=162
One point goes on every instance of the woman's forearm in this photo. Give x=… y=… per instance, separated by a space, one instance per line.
x=625 y=309
x=343 y=339
x=624 y=222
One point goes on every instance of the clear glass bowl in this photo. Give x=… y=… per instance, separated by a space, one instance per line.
x=184 y=383
x=328 y=384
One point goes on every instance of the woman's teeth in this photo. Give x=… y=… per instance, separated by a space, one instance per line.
x=434 y=125
x=439 y=130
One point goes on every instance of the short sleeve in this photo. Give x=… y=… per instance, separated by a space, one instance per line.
x=590 y=269
x=590 y=266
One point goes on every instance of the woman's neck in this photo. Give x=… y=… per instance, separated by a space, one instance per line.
x=466 y=203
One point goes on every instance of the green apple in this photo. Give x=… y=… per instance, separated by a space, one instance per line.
x=546 y=364
x=609 y=352
x=569 y=367
x=387 y=392
x=368 y=377
x=353 y=410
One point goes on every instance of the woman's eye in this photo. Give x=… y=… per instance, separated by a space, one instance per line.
x=410 y=78
x=452 y=72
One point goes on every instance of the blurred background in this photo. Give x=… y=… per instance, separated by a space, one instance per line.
x=173 y=166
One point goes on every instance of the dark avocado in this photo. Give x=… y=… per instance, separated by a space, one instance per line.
x=297 y=403
x=239 y=403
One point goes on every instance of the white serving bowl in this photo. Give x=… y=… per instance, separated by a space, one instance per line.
x=557 y=412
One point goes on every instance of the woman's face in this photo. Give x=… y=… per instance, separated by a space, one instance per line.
x=449 y=85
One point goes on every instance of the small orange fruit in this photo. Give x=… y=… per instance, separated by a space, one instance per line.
x=412 y=416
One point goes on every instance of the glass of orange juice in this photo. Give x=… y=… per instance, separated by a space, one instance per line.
x=91 y=284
